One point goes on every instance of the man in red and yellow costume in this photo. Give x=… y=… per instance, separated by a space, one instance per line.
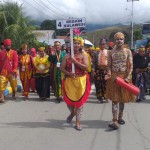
x=8 y=69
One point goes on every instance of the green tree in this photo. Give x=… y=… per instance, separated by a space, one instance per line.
x=137 y=33
x=51 y=25
x=48 y=25
x=15 y=25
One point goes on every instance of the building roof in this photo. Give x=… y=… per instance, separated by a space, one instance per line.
x=44 y=35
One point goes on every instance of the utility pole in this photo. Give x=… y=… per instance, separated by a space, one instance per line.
x=132 y=22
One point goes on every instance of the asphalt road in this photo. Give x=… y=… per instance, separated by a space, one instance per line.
x=41 y=125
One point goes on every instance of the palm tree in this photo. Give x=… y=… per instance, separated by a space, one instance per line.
x=15 y=25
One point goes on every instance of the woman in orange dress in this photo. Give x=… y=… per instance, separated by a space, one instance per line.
x=25 y=70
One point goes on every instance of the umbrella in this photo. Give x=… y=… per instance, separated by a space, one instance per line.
x=87 y=42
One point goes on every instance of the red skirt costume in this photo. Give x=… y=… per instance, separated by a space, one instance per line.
x=76 y=90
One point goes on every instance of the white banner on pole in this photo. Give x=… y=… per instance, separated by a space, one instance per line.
x=71 y=23
x=72 y=49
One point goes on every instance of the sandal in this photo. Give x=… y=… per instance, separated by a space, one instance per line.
x=121 y=121
x=14 y=96
x=26 y=98
x=2 y=101
x=113 y=125
x=100 y=100
x=79 y=128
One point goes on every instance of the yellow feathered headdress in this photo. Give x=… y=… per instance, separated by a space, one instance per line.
x=80 y=39
x=41 y=48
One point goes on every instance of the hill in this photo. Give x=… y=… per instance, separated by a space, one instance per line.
x=108 y=33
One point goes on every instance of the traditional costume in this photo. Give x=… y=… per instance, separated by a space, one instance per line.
x=120 y=65
x=100 y=63
x=42 y=79
x=89 y=69
x=140 y=63
x=76 y=90
x=25 y=71
x=33 y=56
x=76 y=86
x=8 y=68
x=56 y=60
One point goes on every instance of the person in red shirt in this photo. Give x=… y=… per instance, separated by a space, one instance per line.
x=8 y=69
x=2 y=47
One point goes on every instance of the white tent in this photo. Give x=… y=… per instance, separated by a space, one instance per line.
x=87 y=42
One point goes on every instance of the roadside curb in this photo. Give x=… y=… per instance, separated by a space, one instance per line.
x=9 y=90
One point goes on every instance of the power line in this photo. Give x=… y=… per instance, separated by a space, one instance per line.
x=37 y=9
x=59 y=12
x=47 y=8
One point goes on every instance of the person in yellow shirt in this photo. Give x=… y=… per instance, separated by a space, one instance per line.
x=42 y=76
x=85 y=50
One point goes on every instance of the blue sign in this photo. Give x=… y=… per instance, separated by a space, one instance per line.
x=139 y=43
x=146 y=28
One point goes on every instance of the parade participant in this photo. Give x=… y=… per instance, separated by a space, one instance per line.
x=8 y=69
x=148 y=78
x=110 y=45
x=49 y=49
x=2 y=47
x=99 y=69
x=42 y=79
x=56 y=59
x=119 y=64
x=64 y=48
x=33 y=56
x=140 y=63
x=89 y=69
x=76 y=86
x=25 y=70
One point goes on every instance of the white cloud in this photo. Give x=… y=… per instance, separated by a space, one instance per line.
x=95 y=11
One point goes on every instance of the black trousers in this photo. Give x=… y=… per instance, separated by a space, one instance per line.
x=42 y=85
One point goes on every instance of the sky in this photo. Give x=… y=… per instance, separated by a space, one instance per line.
x=95 y=11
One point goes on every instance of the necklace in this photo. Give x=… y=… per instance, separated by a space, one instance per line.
x=58 y=56
x=9 y=54
x=24 y=59
x=41 y=63
x=41 y=59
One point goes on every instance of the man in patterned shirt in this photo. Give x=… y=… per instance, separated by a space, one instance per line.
x=120 y=64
